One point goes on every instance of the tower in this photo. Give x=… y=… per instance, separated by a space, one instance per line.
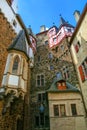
x=52 y=60
x=16 y=82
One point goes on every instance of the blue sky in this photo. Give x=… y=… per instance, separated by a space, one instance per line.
x=46 y=12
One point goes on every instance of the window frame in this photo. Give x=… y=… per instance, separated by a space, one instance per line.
x=50 y=55
x=77 y=46
x=39 y=58
x=83 y=70
x=73 y=109
x=40 y=82
x=39 y=122
x=15 y=66
x=41 y=97
x=58 y=111
x=65 y=72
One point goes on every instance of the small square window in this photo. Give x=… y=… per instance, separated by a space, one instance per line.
x=46 y=42
x=51 y=67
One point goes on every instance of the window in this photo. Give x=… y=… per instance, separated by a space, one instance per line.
x=62 y=47
x=51 y=67
x=56 y=110
x=69 y=29
x=41 y=120
x=23 y=70
x=73 y=109
x=39 y=59
x=15 y=65
x=58 y=75
x=46 y=42
x=61 y=85
x=51 y=32
x=14 y=23
x=59 y=110
x=56 y=49
x=37 y=121
x=50 y=56
x=46 y=121
x=40 y=80
x=84 y=65
x=41 y=97
x=54 y=39
x=83 y=70
x=19 y=124
x=66 y=72
x=62 y=110
x=77 y=46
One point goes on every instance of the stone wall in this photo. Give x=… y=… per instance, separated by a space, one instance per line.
x=49 y=67
x=6 y=36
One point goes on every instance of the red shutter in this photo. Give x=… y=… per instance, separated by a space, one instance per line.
x=76 y=48
x=81 y=73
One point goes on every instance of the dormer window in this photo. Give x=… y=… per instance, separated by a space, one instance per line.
x=61 y=85
x=15 y=65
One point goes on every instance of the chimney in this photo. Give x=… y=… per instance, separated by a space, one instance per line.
x=42 y=28
x=77 y=15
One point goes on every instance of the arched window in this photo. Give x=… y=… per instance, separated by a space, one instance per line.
x=15 y=65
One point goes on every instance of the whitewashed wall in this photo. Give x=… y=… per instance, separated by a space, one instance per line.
x=10 y=15
x=15 y=5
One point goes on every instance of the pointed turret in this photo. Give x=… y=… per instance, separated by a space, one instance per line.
x=62 y=21
x=19 y=43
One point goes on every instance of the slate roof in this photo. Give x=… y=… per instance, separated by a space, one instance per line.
x=19 y=43
x=70 y=87
x=63 y=22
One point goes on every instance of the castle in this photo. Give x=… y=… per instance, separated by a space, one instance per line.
x=42 y=76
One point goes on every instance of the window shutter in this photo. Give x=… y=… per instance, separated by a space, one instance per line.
x=76 y=48
x=81 y=73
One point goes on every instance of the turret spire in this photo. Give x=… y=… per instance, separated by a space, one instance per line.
x=62 y=21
